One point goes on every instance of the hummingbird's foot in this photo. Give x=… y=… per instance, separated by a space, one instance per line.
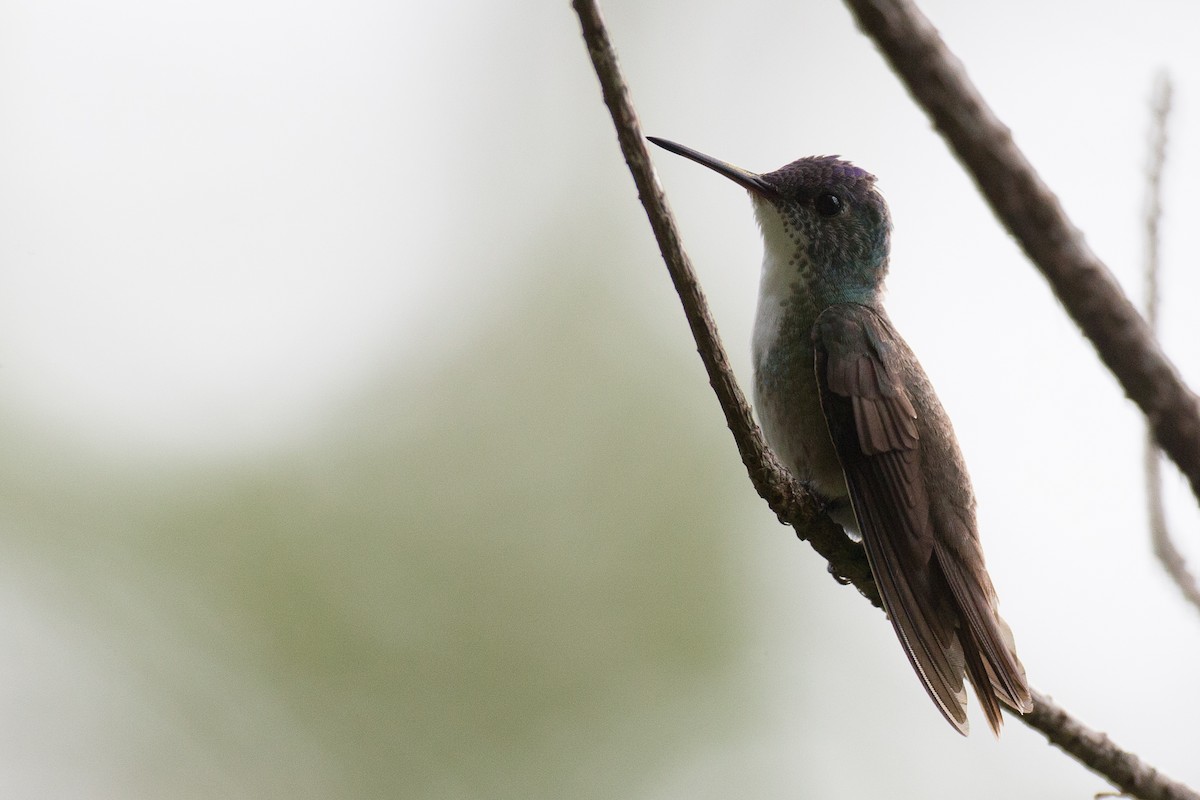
x=841 y=579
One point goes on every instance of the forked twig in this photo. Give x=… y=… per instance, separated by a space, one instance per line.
x=1160 y=534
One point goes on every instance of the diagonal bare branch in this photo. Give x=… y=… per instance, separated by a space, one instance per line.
x=792 y=502
x=1031 y=212
x=1160 y=535
x=1098 y=753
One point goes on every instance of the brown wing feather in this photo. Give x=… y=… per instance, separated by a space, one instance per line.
x=989 y=633
x=873 y=426
x=887 y=505
x=929 y=567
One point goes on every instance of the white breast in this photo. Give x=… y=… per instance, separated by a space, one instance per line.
x=786 y=397
x=780 y=275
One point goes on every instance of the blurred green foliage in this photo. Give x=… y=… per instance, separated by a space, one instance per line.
x=502 y=577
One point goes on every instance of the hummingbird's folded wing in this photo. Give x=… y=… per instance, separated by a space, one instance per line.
x=873 y=425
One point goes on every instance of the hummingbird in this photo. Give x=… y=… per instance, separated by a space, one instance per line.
x=848 y=409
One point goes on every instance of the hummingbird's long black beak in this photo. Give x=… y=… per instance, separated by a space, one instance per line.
x=749 y=180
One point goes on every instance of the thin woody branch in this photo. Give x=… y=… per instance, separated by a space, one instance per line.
x=1031 y=212
x=790 y=500
x=1098 y=753
x=1160 y=535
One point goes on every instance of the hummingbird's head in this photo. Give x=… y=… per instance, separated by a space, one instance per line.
x=824 y=223
x=827 y=212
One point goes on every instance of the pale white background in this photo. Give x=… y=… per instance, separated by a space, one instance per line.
x=220 y=221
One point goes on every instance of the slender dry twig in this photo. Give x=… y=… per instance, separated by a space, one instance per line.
x=1097 y=752
x=1031 y=212
x=792 y=502
x=1160 y=535
x=1160 y=111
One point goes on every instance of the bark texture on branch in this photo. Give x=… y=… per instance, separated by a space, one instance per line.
x=1098 y=753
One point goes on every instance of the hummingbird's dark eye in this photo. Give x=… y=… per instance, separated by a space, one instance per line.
x=828 y=204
